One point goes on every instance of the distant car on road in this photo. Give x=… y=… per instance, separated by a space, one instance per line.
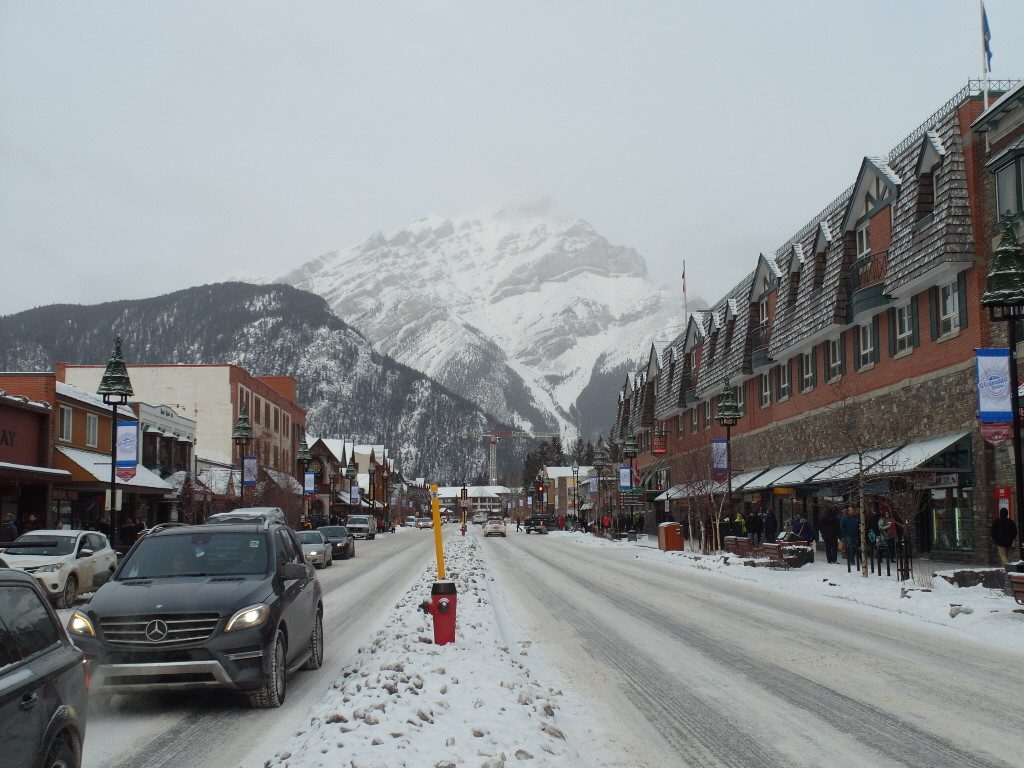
x=65 y=563
x=343 y=544
x=494 y=526
x=539 y=524
x=424 y=522
x=410 y=521
x=478 y=518
x=362 y=526
x=43 y=681
x=316 y=548
x=232 y=606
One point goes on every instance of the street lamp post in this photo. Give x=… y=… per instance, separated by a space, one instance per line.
x=242 y=436
x=632 y=450
x=728 y=415
x=351 y=472
x=1004 y=297
x=576 y=491
x=373 y=477
x=603 y=462
x=116 y=388
x=303 y=457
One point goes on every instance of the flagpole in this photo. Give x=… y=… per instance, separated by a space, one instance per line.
x=984 y=51
x=686 y=308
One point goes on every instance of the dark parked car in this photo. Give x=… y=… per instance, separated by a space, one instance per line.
x=216 y=606
x=43 y=681
x=343 y=544
x=539 y=524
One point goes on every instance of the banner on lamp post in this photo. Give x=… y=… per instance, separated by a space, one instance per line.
x=996 y=435
x=309 y=483
x=719 y=459
x=592 y=490
x=250 y=467
x=994 y=396
x=127 y=450
x=625 y=478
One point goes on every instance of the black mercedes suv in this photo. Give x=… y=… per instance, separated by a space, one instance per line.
x=230 y=606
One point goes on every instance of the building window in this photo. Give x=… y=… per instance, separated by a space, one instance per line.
x=904 y=328
x=708 y=413
x=257 y=409
x=64 y=424
x=266 y=413
x=866 y=354
x=785 y=383
x=835 y=358
x=864 y=239
x=819 y=270
x=949 y=308
x=741 y=399
x=762 y=311
x=807 y=371
x=925 y=195
x=693 y=419
x=1008 y=197
x=764 y=389
x=277 y=419
x=952 y=511
x=92 y=428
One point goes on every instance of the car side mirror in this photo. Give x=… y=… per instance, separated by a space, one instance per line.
x=85 y=552
x=292 y=571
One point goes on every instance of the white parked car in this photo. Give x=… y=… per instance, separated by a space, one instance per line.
x=478 y=518
x=494 y=526
x=65 y=563
x=316 y=549
x=362 y=526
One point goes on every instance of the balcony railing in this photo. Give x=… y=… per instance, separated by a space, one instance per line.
x=760 y=336
x=869 y=270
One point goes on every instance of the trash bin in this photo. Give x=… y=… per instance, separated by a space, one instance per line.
x=670 y=537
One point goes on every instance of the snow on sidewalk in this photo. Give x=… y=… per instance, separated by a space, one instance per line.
x=990 y=616
x=403 y=701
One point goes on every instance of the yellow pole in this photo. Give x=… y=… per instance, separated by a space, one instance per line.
x=435 y=508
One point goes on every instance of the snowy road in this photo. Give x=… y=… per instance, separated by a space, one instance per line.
x=688 y=668
x=214 y=730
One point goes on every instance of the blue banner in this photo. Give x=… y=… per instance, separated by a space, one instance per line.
x=994 y=396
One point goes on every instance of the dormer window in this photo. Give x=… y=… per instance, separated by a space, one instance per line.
x=819 y=270
x=925 y=196
x=929 y=162
x=864 y=239
x=762 y=310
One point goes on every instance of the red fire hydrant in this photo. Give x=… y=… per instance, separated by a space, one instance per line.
x=463 y=529
x=441 y=606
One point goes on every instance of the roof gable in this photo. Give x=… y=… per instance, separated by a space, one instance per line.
x=653 y=367
x=766 y=278
x=932 y=153
x=869 y=195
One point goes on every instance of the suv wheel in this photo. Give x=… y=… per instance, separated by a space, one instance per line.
x=316 y=644
x=272 y=693
x=70 y=593
x=61 y=754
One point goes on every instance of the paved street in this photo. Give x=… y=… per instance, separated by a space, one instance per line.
x=212 y=729
x=696 y=670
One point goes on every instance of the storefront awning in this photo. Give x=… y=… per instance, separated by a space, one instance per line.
x=97 y=465
x=744 y=478
x=848 y=466
x=767 y=478
x=913 y=455
x=30 y=472
x=807 y=471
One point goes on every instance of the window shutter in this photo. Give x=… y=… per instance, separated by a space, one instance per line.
x=814 y=367
x=876 y=354
x=842 y=353
x=891 y=326
x=933 y=310
x=856 y=348
x=826 y=363
x=915 y=337
x=961 y=289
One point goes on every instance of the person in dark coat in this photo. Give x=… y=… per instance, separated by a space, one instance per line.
x=802 y=529
x=849 y=528
x=828 y=527
x=771 y=525
x=755 y=527
x=1004 y=533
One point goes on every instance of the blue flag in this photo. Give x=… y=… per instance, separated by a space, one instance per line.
x=986 y=33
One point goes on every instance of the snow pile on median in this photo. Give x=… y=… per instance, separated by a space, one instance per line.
x=477 y=702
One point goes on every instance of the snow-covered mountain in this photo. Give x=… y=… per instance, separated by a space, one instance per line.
x=523 y=310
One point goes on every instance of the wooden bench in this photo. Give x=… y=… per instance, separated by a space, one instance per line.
x=773 y=551
x=744 y=547
x=1017 y=586
x=729 y=544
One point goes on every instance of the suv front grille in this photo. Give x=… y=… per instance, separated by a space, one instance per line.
x=180 y=628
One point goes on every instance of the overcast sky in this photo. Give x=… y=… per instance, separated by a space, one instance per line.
x=150 y=146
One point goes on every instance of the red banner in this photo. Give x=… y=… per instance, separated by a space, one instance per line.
x=996 y=435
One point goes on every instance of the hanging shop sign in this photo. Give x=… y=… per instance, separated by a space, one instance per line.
x=926 y=480
x=784 y=491
x=659 y=443
x=994 y=396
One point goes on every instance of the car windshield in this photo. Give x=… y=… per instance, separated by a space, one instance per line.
x=334 y=531
x=197 y=554
x=310 y=537
x=43 y=545
x=358 y=520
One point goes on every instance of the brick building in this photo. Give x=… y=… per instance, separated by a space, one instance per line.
x=853 y=341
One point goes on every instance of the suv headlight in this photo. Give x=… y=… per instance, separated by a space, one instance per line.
x=314 y=553
x=248 y=617
x=80 y=625
x=51 y=568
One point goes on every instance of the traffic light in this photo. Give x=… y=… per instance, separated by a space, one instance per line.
x=539 y=489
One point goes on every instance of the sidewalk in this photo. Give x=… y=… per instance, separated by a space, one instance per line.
x=985 y=614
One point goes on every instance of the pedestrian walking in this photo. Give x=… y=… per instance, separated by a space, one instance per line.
x=519 y=523
x=885 y=538
x=1004 y=533
x=849 y=529
x=755 y=526
x=770 y=525
x=828 y=527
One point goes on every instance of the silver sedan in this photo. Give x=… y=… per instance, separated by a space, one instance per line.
x=316 y=548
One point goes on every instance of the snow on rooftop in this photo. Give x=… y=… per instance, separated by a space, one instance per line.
x=88 y=398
